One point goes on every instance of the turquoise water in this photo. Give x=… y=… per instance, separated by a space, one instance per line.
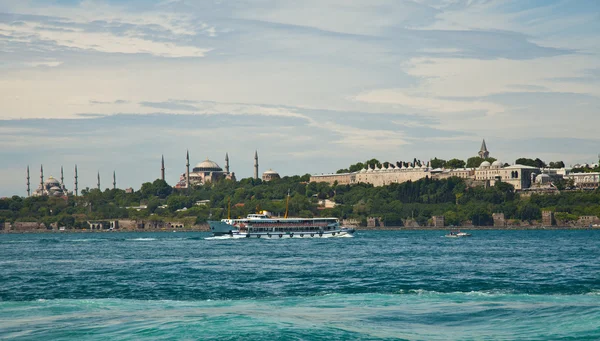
x=380 y=285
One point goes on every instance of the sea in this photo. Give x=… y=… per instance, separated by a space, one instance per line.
x=379 y=285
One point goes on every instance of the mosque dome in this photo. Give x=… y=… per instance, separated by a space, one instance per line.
x=485 y=164
x=270 y=175
x=497 y=164
x=364 y=170
x=207 y=166
x=51 y=181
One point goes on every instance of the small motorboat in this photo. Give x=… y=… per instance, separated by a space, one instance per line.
x=457 y=234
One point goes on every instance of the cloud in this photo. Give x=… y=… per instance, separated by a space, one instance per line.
x=314 y=86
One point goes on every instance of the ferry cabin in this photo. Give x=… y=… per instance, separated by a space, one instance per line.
x=257 y=223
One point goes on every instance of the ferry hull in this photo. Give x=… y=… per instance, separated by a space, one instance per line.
x=346 y=233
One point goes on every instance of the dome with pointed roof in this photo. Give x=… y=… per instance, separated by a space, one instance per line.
x=207 y=166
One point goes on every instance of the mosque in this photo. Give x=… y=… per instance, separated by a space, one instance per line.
x=54 y=188
x=209 y=171
x=49 y=187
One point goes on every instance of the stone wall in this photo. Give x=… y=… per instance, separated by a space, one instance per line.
x=438 y=221
x=375 y=222
x=547 y=218
x=499 y=220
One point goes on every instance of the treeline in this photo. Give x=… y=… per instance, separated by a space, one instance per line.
x=472 y=162
x=395 y=204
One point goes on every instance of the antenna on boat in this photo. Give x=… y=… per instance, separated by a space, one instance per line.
x=229 y=208
x=287 y=202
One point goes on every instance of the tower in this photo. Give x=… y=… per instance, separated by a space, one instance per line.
x=187 y=170
x=227 y=163
x=162 y=168
x=255 y=165
x=114 y=180
x=42 y=178
x=76 y=180
x=483 y=152
x=99 y=181
x=28 y=183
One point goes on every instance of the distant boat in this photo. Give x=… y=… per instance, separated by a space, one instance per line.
x=457 y=234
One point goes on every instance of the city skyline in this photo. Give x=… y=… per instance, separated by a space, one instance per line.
x=113 y=85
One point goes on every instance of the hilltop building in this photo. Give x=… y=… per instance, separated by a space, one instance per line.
x=483 y=152
x=204 y=172
x=521 y=177
x=398 y=172
x=50 y=186
x=270 y=175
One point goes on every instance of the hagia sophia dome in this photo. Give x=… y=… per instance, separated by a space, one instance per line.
x=207 y=166
x=270 y=175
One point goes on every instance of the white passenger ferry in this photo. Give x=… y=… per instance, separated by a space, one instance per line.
x=262 y=225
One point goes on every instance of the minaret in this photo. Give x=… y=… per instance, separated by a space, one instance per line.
x=162 y=168
x=99 y=181
x=256 y=165
x=28 y=188
x=187 y=171
x=42 y=178
x=227 y=163
x=114 y=180
x=76 y=180
x=62 y=177
x=483 y=152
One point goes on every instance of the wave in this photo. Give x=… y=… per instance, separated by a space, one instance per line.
x=331 y=316
x=142 y=239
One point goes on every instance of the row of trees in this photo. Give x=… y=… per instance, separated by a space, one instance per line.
x=472 y=162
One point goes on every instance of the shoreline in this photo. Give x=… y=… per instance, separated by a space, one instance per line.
x=390 y=228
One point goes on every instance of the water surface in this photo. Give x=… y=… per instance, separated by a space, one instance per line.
x=380 y=285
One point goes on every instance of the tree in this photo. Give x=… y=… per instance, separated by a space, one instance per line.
x=438 y=163
x=539 y=163
x=455 y=163
x=526 y=162
x=475 y=161
x=557 y=164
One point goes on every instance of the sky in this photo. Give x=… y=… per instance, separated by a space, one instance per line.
x=313 y=85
